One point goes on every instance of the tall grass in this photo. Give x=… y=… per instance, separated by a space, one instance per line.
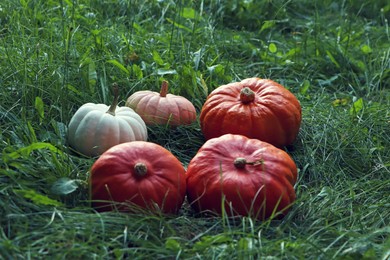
x=57 y=55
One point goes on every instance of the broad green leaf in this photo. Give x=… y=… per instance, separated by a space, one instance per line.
x=216 y=69
x=357 y=106
x=73 y=89
x=188 y=13
x=37 y=198
x=157 y=58
x=267 y=24
x=304 y=87
x=137 y=71
x=172 y=244
x=272 y=48
x=366 y=49
x=40 y=107
x=119 y=66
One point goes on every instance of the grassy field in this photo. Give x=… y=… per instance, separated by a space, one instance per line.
x=333 y=55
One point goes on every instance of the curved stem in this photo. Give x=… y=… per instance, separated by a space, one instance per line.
x=164 y=89
x=241 y=162
x=111 y=109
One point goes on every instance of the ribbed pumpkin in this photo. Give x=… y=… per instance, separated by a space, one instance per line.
x=140 y=174
x=94 y=128
x=242 y=176
x=162 y=108
x=257 y=108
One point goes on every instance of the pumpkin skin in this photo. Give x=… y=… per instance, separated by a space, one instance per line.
x=139 y=173
x=94 y=128
x=254 y=178
x=162 y=108
x=257 y=108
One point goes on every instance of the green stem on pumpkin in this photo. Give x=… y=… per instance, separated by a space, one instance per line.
x=111 y=109
x=164 y=89
x=241 y=162
x=140 y=169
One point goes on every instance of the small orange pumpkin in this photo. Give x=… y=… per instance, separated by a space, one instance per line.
x=162 y=108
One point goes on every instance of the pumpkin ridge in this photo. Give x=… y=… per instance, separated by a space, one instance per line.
x=187 y=114
x=106 y=133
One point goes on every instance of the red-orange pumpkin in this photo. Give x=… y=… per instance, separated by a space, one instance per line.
x=162 y=108
x=246 y=177
x=257 y=108
x=138 y=173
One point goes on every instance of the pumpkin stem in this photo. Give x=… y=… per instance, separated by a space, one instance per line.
x=140 y=169
x=241 y=162
x=114 y=103
x=247 y=95
x=164 y=89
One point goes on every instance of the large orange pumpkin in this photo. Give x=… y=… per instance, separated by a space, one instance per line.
x=138 y=173
x=257 y=108
x=243 y=176
x=162 y=108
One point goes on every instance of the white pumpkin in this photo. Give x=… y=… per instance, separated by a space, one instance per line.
x=95 y=128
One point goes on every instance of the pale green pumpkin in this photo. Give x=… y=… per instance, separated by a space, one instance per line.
x=95 y=128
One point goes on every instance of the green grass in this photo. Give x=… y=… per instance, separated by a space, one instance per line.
x=333 y=55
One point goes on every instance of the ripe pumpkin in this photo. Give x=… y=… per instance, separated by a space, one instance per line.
x=257 y=108
x=162 y=108
x=247 y=176
x=96 y=127
x=140 y=173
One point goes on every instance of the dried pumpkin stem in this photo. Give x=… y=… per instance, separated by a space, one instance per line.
x=111 y=109
x=241 y=162
x=164 y=89
x=140 y=169
x=247 y=95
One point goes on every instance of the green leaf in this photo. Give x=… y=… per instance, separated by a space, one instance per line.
x=39 y=106
x=366 y=49
x=188 y=13
x=73 y=89
x=64 y=186
x=37 y=198
x=180 y=26
x=208 y=241
x=357 y=106
x=272 y=48
x=137 y=71
x=267 y=24
x=304 y=87
x=157 y=58
x=26 y=151
x=172 y=244
x=119 y=66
